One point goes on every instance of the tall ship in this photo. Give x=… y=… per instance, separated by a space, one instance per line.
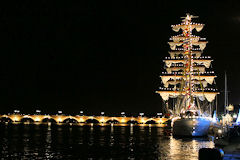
x=189 y=88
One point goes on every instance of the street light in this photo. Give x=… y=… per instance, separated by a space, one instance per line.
x=16 y=111
x=102 y=113
x=81 y=113
x=159 y=114
x=59 y=112
x=38 y=111
x=141 y=114
x=123 y=114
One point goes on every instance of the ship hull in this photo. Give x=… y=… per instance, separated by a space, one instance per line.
x=191 y=127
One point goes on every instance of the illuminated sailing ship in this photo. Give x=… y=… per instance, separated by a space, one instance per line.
x=188 y=91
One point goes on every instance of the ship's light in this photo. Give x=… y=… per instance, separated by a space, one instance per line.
x=220 y=131
x=235 y=116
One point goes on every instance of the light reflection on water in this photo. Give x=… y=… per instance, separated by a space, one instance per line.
x=46 y=141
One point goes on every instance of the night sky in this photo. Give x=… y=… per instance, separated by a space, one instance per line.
x=104 y=55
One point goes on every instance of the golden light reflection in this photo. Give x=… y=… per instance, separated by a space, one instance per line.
x=102 y=120
x=131 y=129
x=142 y=121
x=185 y=149
x=175 y=148
x=37 y=119
x=81 y=120
x=16 y=119
x=112 y=129
x=59 y=119
x=123 y=120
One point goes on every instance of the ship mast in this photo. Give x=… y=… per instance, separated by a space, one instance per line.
x=225 y=94
x=187 y=46
x=186 y=68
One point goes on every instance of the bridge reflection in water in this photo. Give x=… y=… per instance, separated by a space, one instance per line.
x=81 y=119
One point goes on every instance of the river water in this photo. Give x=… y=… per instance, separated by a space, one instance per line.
x=45 y=141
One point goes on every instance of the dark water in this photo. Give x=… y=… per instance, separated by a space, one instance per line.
x=43 y=141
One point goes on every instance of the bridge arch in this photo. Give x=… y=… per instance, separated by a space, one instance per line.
x=61 y=118
x=92 y=120
x=112 y=120
x=151 y=121
x=70 y=120
x=6 y=119
x=132 y=121
x=49 y=119
x=27 y=119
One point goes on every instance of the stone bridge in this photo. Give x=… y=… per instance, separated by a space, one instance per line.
x=81 y=119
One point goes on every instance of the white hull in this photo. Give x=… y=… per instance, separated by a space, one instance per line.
x=191 y=127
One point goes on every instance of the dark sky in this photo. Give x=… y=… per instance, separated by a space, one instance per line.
x=104 y=55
